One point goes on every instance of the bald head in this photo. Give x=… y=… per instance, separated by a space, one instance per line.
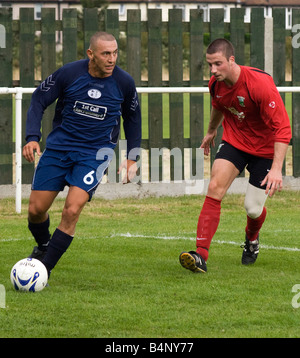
x=103 y=36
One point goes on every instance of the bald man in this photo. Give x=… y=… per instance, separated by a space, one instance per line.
x=91 y=96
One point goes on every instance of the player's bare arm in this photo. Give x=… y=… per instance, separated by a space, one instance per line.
x=274 y=178
x=29 y=149
x=215 y=120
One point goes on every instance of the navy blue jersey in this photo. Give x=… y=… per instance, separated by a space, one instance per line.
x=88 y=110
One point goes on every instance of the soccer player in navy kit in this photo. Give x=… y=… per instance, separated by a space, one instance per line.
x=91 y=95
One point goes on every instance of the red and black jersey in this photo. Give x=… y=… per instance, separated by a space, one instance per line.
x=254 y=113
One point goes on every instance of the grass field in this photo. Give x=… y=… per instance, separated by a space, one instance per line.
x=121 y=276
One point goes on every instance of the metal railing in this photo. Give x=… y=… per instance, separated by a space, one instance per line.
x=18 y=92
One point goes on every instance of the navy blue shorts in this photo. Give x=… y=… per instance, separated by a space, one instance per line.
x=258 y=167
x=56 y=169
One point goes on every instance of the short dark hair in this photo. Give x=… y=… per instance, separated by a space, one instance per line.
x=100 y=35
x=221 y=45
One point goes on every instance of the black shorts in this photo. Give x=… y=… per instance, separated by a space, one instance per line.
x=258 y=167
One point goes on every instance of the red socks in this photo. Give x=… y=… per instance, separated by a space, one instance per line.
x=254 y=225
x=209 y=220
x=207 y=225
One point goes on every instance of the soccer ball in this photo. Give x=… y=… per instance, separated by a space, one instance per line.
x=29 y=275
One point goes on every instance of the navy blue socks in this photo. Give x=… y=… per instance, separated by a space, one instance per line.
x=55 y=247
x=41 y=233
x=58 y=245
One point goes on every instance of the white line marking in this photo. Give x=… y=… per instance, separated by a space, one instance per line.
x=164 y=237
x=16 y=239
x=222 y=242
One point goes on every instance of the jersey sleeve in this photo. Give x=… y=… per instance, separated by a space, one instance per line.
x=132 y=125
x=212 y=88
x=272 y=110
x=131 y=113
x=48 y=91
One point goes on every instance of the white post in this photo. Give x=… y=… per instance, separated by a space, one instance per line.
x=18 y=159
x=269 y=45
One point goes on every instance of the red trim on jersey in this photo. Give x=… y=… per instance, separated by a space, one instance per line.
x=254 y=113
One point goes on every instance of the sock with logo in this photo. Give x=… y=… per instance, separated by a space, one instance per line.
x=254 y=225
x=41 y=233
x=58 y=245
x=207 y=225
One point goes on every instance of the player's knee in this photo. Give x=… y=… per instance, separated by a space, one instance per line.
x=215 y=190
x=254 y=201
x=253 y=209
x=35 y=212
x=71 y=213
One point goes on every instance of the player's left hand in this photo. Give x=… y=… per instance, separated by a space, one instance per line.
x=131 y=168
x=273 y=180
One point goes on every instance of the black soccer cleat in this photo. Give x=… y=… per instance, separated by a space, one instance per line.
x=192 y=261
x=37 y=254
x=250 y=252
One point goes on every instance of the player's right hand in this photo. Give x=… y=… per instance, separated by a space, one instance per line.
x=208 y=140
x=29 y=149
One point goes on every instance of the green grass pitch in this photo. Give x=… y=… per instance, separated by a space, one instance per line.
x=121 y=276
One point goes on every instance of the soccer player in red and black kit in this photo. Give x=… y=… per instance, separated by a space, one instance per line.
x=256 y=136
